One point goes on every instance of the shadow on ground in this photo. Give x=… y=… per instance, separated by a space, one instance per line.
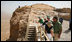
x=67 y=31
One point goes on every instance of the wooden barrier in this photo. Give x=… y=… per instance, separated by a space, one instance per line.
x=42 y=30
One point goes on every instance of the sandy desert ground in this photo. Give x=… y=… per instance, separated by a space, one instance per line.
x=5 y=26
x=5 y=30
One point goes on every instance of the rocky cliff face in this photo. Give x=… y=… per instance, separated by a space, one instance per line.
x=19 y=19
x=18 y=23
x=65 y=16
x=64 y=10
x=65 y=13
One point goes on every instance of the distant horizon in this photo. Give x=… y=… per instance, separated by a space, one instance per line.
x=10 y=6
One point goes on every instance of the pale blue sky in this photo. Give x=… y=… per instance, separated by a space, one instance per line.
x=10 y=6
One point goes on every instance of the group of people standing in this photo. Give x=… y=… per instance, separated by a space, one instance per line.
x=53 y=28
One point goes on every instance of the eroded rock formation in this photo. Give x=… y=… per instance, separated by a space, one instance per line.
x=18 y=23
x=19 y=19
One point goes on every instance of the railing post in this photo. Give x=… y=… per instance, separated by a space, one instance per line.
x=45 y=34
x=40 y=34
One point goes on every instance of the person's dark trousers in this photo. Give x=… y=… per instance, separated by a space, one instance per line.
x=45 y=38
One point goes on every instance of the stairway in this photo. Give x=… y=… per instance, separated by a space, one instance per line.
x=31 y=34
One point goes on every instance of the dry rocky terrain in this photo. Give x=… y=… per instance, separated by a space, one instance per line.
x=16 y=27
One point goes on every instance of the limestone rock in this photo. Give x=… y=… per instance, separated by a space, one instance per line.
x=18 y=23
x=20 y=17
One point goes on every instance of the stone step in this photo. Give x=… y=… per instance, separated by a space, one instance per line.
x=31 y=28
x=31 y=39
x=31 y=34
x=31 y=31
